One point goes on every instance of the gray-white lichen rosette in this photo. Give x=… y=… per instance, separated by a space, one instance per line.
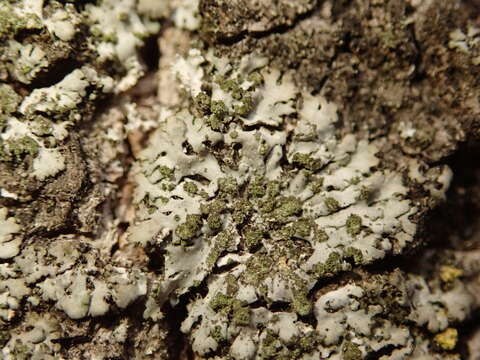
x=254 y=199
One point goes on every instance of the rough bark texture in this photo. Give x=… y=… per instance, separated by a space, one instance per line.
x=245 y=179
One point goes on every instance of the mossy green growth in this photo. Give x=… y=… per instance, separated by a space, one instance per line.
x=245 y=107
x=165 y=172
x=218 y=109
x=149 y=203
x=110 y=37
x=190 y=187
x=241 y=314
x=237 y=93
x=285 y=233
x=331 y=266
x=219 y=119
x=266 y=206
x=355 y=180
x=214 y=221
x=232 y=285
x=241 y=210
x=11 y=23
x=307 y=162
x=332 y=204
x=189 y=228
x=215 y=123
x=320 y=235
x=9 y=100
x=228 y=186
x=232 y=87
x=203 y=103
x=246 y=103
x=8 y=20
x=271 y=346
x=168 y=186
x=256 y=188
x=221 y=303
x=253 y=238
x=16 y=150
x=354 y=225
x=216 y=206
x=263 y=147
x=232 y=308
x=300 y=303
x=220 y=243
x=21 y=351
x=42 y=126
x=351 y=351
x=317 y=185
x=258 y=268
x=256 y=78
x=303 y=227
x=364 y=194
x=287 y=206
x=217 y=334
x=354 y=253
x=308 y=343
x=4 y=337
x=273 y=188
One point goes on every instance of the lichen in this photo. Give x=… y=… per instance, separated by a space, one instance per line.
x=10 y=238
x=447 y=339
x=260 y=214
x=9 y=100
x=351 y=352
x=449 y=273
x=285 y=206
x=189 y=228
x=354 y=225
x=56 y=273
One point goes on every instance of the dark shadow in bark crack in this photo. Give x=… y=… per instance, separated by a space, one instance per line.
x=455 y=224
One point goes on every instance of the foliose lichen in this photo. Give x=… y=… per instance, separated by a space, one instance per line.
x=263 y=211
x=287 y=203
x=57 y=62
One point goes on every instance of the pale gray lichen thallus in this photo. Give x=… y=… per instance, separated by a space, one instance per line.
x=254 y=198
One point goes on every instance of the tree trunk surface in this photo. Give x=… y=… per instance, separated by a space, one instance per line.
x=242 y=179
